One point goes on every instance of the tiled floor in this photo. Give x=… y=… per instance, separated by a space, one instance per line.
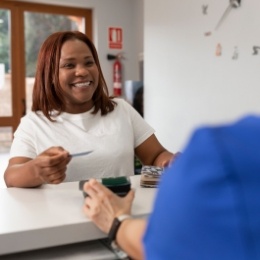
x=3 y=163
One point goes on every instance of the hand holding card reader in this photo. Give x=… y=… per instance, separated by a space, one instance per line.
x=119 y=185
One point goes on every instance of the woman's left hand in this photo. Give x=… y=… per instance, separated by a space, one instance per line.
x=102 y=205
x=166 y=158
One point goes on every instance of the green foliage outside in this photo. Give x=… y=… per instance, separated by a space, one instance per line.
x=38 y=26
x=4 y=39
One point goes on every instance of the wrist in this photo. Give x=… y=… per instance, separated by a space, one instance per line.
x=115 y=227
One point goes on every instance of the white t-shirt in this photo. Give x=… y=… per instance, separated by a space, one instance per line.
x=112 y=138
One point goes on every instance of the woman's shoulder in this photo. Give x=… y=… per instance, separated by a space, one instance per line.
x=121 y=102
x=29 y=121
x=33 y=114
x=32 y=117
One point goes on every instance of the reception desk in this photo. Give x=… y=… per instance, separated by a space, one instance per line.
x=52 y=215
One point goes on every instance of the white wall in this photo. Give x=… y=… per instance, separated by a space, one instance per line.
x=186 y=85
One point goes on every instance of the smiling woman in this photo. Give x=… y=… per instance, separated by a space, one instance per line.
x=72 y=112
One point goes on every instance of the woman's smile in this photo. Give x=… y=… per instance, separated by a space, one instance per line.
x=82 y=84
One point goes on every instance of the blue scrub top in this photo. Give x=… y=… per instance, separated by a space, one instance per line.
x=208 y=201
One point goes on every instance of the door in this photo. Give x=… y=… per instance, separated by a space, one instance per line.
x=23 y=28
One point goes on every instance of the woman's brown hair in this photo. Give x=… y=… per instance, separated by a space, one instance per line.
x=47 y=93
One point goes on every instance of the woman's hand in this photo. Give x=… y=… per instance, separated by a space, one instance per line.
x=51 y=165
x=169 y=159
x=151 y=152
x=102 y=205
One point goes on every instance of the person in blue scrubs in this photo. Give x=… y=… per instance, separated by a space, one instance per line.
x=207 y=205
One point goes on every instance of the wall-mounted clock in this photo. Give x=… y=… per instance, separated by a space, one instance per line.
x=211 y=8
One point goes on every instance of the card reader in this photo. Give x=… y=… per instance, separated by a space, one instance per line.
x=119 y=185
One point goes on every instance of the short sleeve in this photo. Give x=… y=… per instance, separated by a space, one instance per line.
x=141 y=129
x=24 y=141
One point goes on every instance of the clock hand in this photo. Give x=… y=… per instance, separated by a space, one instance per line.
x=232 y=4
x=223 y=16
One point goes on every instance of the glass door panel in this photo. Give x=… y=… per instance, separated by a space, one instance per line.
x=6 y=137
x=38 y=26
x=5 y=72
x=6 y=108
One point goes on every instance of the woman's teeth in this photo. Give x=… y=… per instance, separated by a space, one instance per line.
x=82 y=85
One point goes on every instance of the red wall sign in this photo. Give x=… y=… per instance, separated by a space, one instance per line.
x=115 y=38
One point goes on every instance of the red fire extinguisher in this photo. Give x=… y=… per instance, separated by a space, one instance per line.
x=117 y=73
x=117 y=77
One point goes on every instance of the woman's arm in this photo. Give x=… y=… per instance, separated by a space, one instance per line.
x=151 y=152
x=48 y=167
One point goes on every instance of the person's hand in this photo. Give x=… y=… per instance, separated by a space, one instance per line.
x=50 y=166
x=168 y=159
x=168 y=162
x=102 y=205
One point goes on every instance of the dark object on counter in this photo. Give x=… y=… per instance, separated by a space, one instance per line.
x=119 y=185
